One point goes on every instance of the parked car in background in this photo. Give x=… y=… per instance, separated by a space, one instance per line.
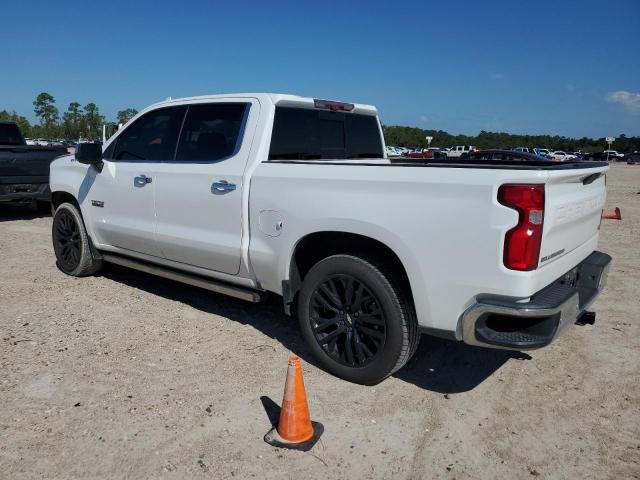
x=500 y=155
x=633 y=158
x=24 y=169
x=254 y=193
x=612 y=154
x=523 y=149
x=416 y=153
x=431 y=152
x=534 y=151
x=588 y=156
x=544 y=152
x=562 y=156
x=460 y=150
x=392 y=151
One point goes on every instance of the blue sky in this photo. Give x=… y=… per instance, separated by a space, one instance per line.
x=560 y=67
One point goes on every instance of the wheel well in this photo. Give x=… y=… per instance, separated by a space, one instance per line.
x=58 y=198
x=317 y=246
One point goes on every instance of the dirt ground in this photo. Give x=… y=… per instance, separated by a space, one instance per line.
x=126 y=375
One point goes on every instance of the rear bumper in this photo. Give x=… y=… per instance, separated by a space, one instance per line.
x=22 y=192
x=504 y=322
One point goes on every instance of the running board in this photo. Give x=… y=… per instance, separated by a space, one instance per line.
x=217 y=286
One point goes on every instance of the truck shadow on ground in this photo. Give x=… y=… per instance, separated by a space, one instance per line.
x=441 y=366
x=12 y=212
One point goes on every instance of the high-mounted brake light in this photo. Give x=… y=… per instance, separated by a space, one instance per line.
x=522 y=242
x=333 y=106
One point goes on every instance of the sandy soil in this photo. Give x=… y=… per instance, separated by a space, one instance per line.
x=130 y=376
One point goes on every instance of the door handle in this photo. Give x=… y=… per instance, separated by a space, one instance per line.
x=221 y=187
x=141 y=180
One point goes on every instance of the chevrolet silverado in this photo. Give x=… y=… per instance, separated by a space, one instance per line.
x=252 y=193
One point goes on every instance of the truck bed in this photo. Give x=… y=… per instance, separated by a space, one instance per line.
x=543 y=165
x=437 y=216
x=497 y=164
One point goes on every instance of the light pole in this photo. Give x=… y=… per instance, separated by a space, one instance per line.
x=609 y=140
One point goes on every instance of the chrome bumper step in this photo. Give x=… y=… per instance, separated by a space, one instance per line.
x=508 y=323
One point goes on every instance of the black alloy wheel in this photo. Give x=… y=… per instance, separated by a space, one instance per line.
x=67 y=241
x=347 y=321
x=357 y=318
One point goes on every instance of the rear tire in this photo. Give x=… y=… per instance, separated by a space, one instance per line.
x=75 y=254
x=356 y=319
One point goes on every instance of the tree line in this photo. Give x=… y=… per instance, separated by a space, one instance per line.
x=416 y=137
x=77 y=121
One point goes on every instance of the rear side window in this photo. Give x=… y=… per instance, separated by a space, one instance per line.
x=152 y=137
x=305 y=134
x=211 y=132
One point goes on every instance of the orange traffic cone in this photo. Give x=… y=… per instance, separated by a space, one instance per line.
x=612 y=214
x=295 y=428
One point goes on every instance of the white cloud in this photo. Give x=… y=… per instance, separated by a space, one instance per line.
x=630 y=100
x=498 y=76
x=424 y=118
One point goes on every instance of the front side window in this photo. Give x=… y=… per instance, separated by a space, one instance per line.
x=306 y=134
x=152 y=137
x=211 y=132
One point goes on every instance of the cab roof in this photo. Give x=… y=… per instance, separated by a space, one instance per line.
x=276 y=99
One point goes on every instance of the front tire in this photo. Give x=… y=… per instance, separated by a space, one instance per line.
x=356 y=320
x=75 y=255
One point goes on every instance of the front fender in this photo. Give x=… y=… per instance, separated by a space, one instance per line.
x=74 y=178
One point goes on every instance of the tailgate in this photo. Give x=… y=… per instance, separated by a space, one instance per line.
x=27 y=161
x=573 y=207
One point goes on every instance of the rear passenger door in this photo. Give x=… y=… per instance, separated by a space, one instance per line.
x=199 y=195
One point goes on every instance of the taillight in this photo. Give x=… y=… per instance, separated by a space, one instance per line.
x=522 y=242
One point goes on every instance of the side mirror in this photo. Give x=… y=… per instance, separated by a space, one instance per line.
x=89 y=153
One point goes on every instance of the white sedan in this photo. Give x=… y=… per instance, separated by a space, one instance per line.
x=560 y=156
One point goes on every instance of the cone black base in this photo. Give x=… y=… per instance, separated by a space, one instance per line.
x=272 y=438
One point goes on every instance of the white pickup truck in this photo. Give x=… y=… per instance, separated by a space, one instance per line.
x=252 y=193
